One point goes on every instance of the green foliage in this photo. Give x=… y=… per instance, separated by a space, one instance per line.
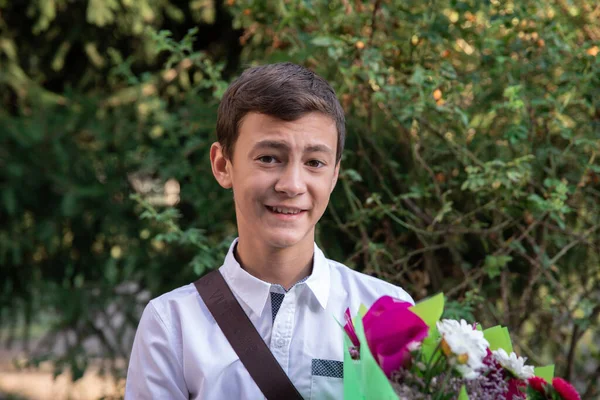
x=470 y=167
x=493 y=265
x=464 y=308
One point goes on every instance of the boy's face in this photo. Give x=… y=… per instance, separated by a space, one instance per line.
x=282 y=175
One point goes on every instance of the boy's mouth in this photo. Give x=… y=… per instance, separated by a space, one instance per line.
x=285 y=211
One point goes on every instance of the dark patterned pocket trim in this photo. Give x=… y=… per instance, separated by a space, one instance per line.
x=330 y=368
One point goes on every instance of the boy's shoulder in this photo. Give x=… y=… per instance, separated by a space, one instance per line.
x=355 y=282
x=175 y=302
x=179 y=294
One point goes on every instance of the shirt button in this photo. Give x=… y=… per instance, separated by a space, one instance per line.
x=280 y=342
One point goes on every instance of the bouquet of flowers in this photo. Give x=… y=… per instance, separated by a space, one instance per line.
x=395 y=350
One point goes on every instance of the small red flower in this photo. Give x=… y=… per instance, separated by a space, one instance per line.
x=565 y=389
x=538 y=384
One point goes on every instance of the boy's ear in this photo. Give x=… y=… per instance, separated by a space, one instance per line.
x=336 y=174
x=220 y=165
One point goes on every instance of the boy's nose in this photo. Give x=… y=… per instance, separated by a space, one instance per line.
x=291 y=182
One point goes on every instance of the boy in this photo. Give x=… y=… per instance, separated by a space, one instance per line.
x=280 y=135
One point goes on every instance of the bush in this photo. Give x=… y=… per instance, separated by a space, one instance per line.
x=470 y=166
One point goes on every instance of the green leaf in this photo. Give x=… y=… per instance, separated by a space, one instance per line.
x=353 y=175
x=101 y=12
x=430 y=349
x=546 y=372
x=494 y=265
x=10 y=201
x=69 y=205
x=462 y=395
x=352 y=388
x=430 y=310
x=499 y=338
x=374 y=383
x=326 y=41
x=362 y=310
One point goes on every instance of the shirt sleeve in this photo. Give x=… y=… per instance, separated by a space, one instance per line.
x=155 y=370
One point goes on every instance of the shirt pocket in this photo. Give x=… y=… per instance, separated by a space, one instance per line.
x=327 y=380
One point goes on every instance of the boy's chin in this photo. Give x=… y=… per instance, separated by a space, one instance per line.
x=283 y=240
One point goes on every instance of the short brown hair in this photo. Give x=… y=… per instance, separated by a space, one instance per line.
x=286 y=91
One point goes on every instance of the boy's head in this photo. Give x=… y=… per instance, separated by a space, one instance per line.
x=280 y=135
x=285 y=91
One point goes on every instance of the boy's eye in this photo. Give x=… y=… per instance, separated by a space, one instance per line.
x=267 y=159
x=315 y=163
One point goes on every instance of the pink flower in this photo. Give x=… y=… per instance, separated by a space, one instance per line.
x=538 y=384
x=565 y=389
x=349 y=328
x=392 y=330
x=514 y=389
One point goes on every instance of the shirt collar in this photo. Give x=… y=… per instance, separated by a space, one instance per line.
x=319 y=280
x=255 y=292
x=247 y=288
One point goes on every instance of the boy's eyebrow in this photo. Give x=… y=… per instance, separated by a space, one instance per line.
x=275 y=144
x=271 y=144
x=318 y=148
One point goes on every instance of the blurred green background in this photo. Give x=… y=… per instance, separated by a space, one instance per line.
x=471 y=164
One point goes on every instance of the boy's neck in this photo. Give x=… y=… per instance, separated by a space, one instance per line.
x=278 y=266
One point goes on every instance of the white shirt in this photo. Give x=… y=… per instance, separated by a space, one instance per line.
x=180 y=352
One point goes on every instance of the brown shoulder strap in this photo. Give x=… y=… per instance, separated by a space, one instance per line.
x=244 y=338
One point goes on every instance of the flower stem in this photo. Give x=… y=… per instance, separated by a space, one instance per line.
x=441 y=393
x=429 y=369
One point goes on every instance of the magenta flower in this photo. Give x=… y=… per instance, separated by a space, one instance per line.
x=349 y=328
x=392 y=330
x=516 y=389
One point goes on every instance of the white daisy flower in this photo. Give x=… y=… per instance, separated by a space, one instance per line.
x=514 y=364
x=464 y=346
